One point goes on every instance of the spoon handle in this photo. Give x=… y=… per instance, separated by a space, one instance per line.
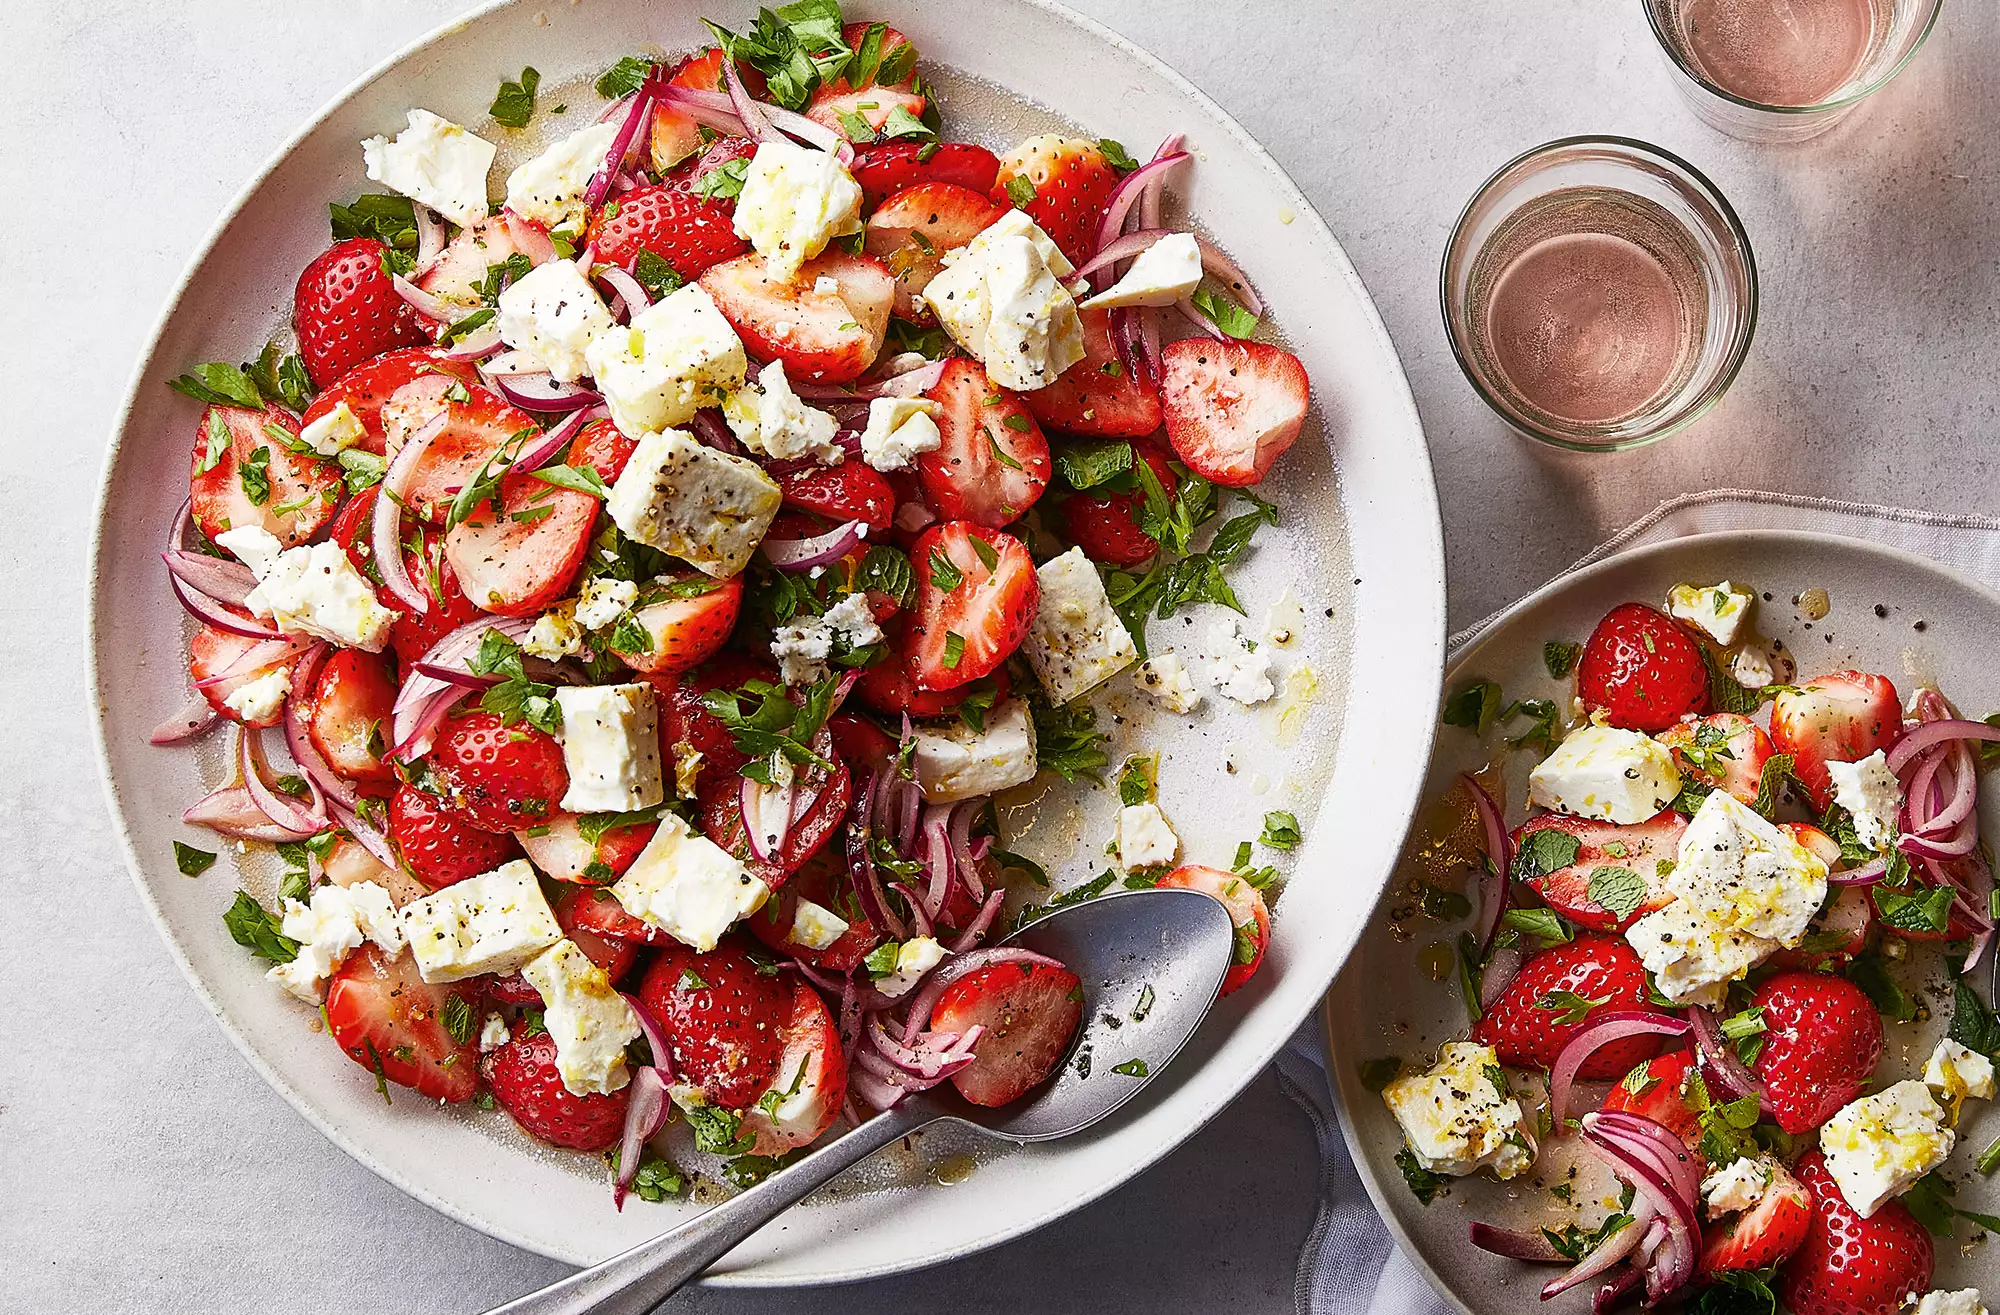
x=639 y=1279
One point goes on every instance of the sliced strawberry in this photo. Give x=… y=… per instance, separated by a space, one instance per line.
x=500 y=777
x=1551 y=1000
x=1106 y=524
x=719 y=800
x=675 y=136
x=1639 y=849
x=1764 y=1235
x=910 y=232
x=693 y=173
x=438 y=844
x=391 y=1021
x=961 y=633
x=687 y=627
x=1098 y=397
x=825 y=882
x=461 y=268
x=992 y=461
x=1071 y=180
x=1840 y=932
x=859 y=741
x=1657 y=1090
x=1232 y=408
x=858 y=92
x=603 y=448
x=478 y=423
x=826 y=337
x=1641 y=670
x=1030 y=1012
x=348 y=863
x=211 y=654
x=522 y=560
x=725 y=1019
x=614 y=956
x=413 y=633
x=811 y=1080
x=349 y=713
x=890 y=686
x=849 y=491
x=1848 y=1265
x=690 y=234
x=888 y=167
x=1837 y=718
x=559 y=850
x=345 y=310
x=686 y=726
x=1723 y=750
x=1822 y=1040
x=367 y=386
x=1246 y=909
x=528 y=1085
x=243 y=473
x=598 y=910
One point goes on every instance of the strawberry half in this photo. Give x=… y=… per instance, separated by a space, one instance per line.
x=825 y=882
x=1247 y=911
x=976 y=597
x=478 y=423
x=459 y=271
x=1106 y=525
x=824 y=337
x=367 y=386
x=559 y=850
x=345 y=310
x=690 y=234
x=438 y=844
x=1232 y=408
x=1848 y=1265
x=1641 y=670
x=890 y=686
x=811 y=1079
x=910 y=232
x=1723 y=750
x=243 y=472
x=858 y=93
x=1638 y=849
x=1552 y=998
x=1064 y=182
x=213 y=652
x=725 y=1020
x=349 y=713
x=991 y=462
x=522 y=559
x=528 y=1085
x=1842 y=717
x=1098 y=396
x=500 y=778
x=1657 y=1090
x=888 y=167
x=1822 y=1040
x=1764 y=1235
x=685 y=631
x=1030 y=1012
x=391 y=1021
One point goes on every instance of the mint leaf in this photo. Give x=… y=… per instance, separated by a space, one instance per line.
x=1225 y=314
x=219 y=383
x=1473 y=707
x=515 y=103
x=1619 y=890
x=192 y=862
x=258 y=930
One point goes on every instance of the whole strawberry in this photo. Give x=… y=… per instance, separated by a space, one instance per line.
x=1062 y=183
x=723 y=1017
x=499 y=777
x=1822 y=1039
x=346 y=311
x=690 y=234
x=1848 y=1265
x=1641 y=670
x=440 y=846
x=1553 y=998
x=525 y=1081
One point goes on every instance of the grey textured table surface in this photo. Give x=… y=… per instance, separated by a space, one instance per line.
x=145 y=1167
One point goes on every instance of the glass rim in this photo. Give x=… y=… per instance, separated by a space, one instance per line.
x=1738 y=353
x=1673 y=54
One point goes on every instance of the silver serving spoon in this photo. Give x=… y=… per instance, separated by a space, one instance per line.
x=1151 y=960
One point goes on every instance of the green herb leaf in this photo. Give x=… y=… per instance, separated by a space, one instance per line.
x=796 y=47
x=1281 y=830
x=1135 y=779
x=624 y=77
x=1021 y=191
x=1092 y=465
x=254 y=473
x=724 y=182
x=1376 y=1074
x=1927 y=909
x=717 y=1131
x=1973 y=1025
x=281 y=378
x=258 y=930
x=220 y=384
x=1423 y=1184
x=578 y=479
x=655 y=275
x=1544 y=850
x=1568 y=1006
x=1067 y=741
x=390 y=220
x=886 y=570
x=1544 y=924
x=1468 y=975
x=945 y=575
x=773 y=722
x=1473 y=707
x=1560 y=658
x=657 y=1178
x=1225 y=314
x=192 y=862
x=1869 y=972
x=1619 y=890
x=515 y=103
x=1778 y=769
x=1116 y=155
x=1131 y=1068
x=1544 y=729
x=954 y=649
x=1089 y=890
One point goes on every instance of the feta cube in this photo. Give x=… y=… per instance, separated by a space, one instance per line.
x=1460 y=1116
x=1144 y=838
x=492 y=923
x=493 y=1034
x=1077 y=642
x=1955 y=1072
x=603 y=600
x=1872 y=796
x=552 y=314
x=1737 y=1186
x=803 y=647
x=611 y=748
x=952 y=761
x=688 y=886
x=1160 y=276
x=312 y=589
x=899 y=430
x=555 y=634
x=1717 y=610
x=675 y=357
x=816 y=928
x=1877 y=1146
x=1606 y=773
x=914 y=958
x=1965 y=1301
x=1164 y=677
x=334 y=432
x=795 y=199
x=260 y=700
x=585 y=1016
x=1002 y=299
x=1238 y=668
x=549 y=188
x=436 y=163
x=328 y=928
x=708 y=508
x=767 y=417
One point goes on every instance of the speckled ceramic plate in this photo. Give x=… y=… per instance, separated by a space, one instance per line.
x=1934 y=628
x=1360 y=547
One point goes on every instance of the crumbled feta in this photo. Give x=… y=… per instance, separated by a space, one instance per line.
x=551 y=314
x=1955 y=1072
x=1872 y=796
x=1716 y=610
x=1965 y=1301
x=1737 y=1186
x=688 y=886
x=900 y=429
x=1752 y=667
x=675 y=357
x=1606 y=773
x=328 y=929
x=493 y=1033
x=549 y=188
x=436 y=163
x=585 y=1016
x=815 y=927
x=1001 y=298
x=1235 y=665
x=795 y=199
x=1076 y=642
x=491 y=923
x=826 y=287
x=611 y=748
x=768 y=417
x=803 y=647
x=914 y=958
x=1160 y=276
x=555 y=634
x=708 y=508
x=260 y=699
x=1691 y=958
x=310 y=590
x=334 y=432
x=1877 y=1146
x=1164 y=677
x=797 y=1096
x=1460 y=1117
x=603 y=600
x=952 y=761
x=1144 y=838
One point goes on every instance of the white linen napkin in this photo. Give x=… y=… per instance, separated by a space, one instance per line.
x=1349 y=1264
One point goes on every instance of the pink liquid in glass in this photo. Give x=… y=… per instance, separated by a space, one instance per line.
x=1781 y=52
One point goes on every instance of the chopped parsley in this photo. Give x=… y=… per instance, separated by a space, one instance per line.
x=1473 y=707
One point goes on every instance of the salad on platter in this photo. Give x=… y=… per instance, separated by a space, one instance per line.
x=1686 y=1055
x=626 y=599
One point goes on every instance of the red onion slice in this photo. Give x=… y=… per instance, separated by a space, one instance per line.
x=1866 y=875
x=1729 y=1074
x=231 y=811
x=767 y=816
x=862 y=873
x=1672 y=1265
x=656 y=1036
x=1216 y=263
x=269 y=653
x=280 y=808
x=979 y=926
x=211 y=613
x=433 y=308
x=1145 y=178
x=711 y=109
x=539 y=452
x=747 y=108
x=1941 y=731
x=1123 y=247
x=819 y=550
x=196 y=716
x=646 y=1106
x=529 y=238
x=1604 y=1027
x=481 y=343
x=635 y=296
x=366 y=834
x=543 y=392
x=386 y=529
x=225 y=581
x=1499 y=862
x=1498 y=973
x=1194 y=315
x=1606 y=1253
x=614 y=159
x=304 y=752
x=1514 y=1244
